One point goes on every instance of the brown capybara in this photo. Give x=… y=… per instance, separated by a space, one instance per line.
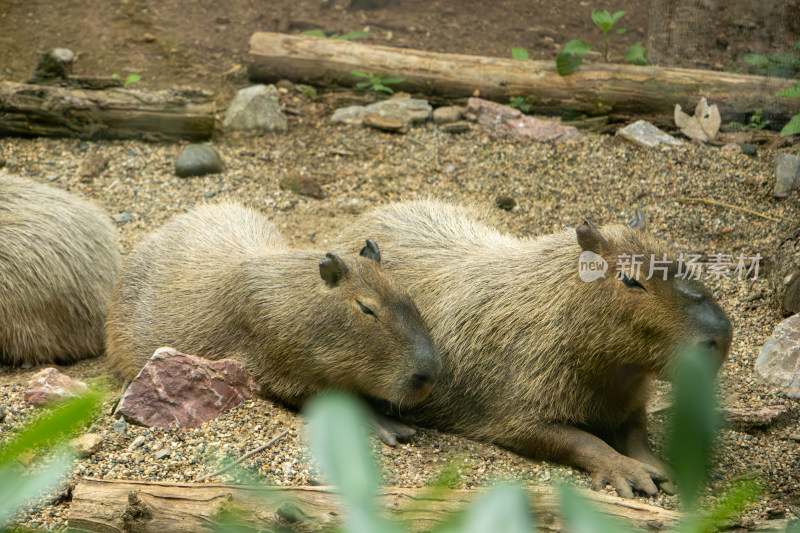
x=59 y=257
x=534 y=358
x=219 y=282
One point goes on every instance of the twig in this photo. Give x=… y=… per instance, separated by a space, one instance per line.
x=245 y=456
x=730 y=206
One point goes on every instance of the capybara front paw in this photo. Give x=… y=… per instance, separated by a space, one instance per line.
x=390 y=430
x=628 y=475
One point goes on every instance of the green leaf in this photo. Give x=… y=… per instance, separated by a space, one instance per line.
x=358 y=34
x=382 y=87
x=517 y=52
x=620 y=31
x=393 y=80
x=602 y=18
x=636 y=55
x=132 y=78
x=364 y=84
x=570 y=58
x=616 y=16
x=115 y=76
x=581 y=516
x=737 y=498
x=314 y=33
x=792 y=127
x=756 y=60
x=338 y=441
x=361 y=74
x=695 y=421
x=797 y=46
x=16 y=488
x=504 y=508
x=793 y=526
x=60 y=422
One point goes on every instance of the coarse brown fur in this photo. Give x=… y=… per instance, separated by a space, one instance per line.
x=534 y=358
x=58 y=260
x=219 y=282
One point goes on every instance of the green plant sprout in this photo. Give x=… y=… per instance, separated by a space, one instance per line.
x=793 y=126
x=517 y=52
x=781 y=65
x=358 y=34
x=129 y=79
x=756 y=122
x=376 y=82
x=523 y=103
x=571 y=57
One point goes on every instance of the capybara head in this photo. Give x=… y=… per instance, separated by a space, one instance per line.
x=647 y=293
x=380 y=343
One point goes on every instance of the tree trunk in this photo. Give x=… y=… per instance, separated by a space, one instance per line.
x=620 y=91
x=109 y=505
x=112 y=114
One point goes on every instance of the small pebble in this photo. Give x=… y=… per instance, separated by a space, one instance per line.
x=120 y=426
x=138 y=441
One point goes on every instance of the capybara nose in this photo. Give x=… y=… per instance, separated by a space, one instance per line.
x=714 y=328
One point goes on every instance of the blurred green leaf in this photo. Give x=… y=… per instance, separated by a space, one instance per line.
x=517 y=52
x=581 y=516
x=393 y=80
x=338 y=441
x=115 y=76
x=132 y=78
x=616 y=16
x=602 y=18
x=53 y=426
x=636 y=55
x=361 y=74
x=16 y=489
x=571 y=56
x=791 y=92
x=695 y=421
x=793 y=526
x=314 y=33
x=756 y=60
x=739 y=496
x=792 y=127
x=504 y=508
x=620 y=31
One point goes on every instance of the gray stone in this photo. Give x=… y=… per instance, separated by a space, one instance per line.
x=50 y=385
x=137 y=442
x=197 y=160
x=645 y=134
x=540 y=130
x=256 y=108
x=779 y=361
x=460 y=126
x=120 y=426
x=447 y=114
x=407 y=110
x=787 y=173
x=163 y=452
x=488 y=112
x=86 y=445
x=124 y=217
x=176 y=390
x=385 y=123
x=353 y=114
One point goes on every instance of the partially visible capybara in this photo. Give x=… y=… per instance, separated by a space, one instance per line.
x=219 y=282
x=534 y=358
x=58 y=260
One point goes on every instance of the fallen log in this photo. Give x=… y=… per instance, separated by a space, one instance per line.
x=619 y=91
x=118 y=505
x=110 y=114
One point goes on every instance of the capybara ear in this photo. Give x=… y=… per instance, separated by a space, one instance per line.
x=370 y=251
x=589 y=238
x=332 y=269
x=639 y=222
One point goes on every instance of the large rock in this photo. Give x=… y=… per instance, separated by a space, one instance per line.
x=197 y=160
x=256 y=108
x=645 y=134
x=50 y=385
x=183 y=391
x=779 y=361
x=787 y=174
x=488 y=112
x=407 y=110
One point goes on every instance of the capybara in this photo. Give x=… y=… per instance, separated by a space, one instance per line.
x=534 y=358
x=219 y=282
x=59 y=257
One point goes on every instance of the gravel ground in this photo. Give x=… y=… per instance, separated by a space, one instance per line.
x=554 y=185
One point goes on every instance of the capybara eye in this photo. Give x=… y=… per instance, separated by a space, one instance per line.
x=366 y=309
x=630 y=282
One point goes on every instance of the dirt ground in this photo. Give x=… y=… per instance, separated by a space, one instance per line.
x=172 y=43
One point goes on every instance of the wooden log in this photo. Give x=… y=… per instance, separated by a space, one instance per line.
x=119 y=505
x=620 y=91
x=111 y=114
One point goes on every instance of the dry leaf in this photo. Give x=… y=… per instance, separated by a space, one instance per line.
x=703 y=126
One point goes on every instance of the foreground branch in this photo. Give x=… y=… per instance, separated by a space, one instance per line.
x=111 y=114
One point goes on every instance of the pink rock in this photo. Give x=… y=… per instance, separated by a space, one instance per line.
x=50 y=385
x=183 y=391
x=538 y=129
x=488 y=112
